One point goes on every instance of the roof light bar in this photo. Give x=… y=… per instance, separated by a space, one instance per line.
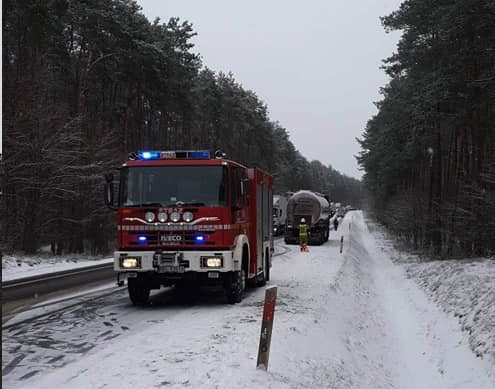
x=171 y=154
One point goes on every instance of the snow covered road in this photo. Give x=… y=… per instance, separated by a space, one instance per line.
x=350 y=320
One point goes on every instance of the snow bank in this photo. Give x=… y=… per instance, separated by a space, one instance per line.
x=463 y=288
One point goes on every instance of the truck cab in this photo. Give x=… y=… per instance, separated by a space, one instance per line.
x=187 y=219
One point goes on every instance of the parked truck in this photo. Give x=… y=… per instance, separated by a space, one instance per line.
x=279 y=214
x=189 y=220
x=315 y=209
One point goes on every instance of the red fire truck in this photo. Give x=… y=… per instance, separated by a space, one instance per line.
x=187 y=219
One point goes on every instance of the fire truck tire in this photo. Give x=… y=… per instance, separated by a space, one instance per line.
x=235 y=285
x=138 y=293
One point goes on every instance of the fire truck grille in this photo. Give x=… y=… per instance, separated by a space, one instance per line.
x=167 y=258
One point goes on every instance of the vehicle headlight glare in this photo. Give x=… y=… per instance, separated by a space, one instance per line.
x=187 y=216
x=175 y=217
x=214 y=262
x=149 y=216
x=162 y=217
x=129 y=263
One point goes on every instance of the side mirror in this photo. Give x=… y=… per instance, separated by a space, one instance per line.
x=108 y=191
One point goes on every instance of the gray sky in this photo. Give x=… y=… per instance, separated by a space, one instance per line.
x=314 y=63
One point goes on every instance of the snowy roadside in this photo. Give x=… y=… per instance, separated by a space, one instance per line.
x=346 y=320
x=464 y=289
x=20 y=266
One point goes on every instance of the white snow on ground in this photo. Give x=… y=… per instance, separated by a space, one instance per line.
x=15 y=267
x=351 y=320
x=465 y=289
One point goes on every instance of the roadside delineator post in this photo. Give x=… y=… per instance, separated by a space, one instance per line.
x=266 y=327
x=341 y=243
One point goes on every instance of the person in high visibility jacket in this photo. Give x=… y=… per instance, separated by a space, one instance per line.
x=303 y=235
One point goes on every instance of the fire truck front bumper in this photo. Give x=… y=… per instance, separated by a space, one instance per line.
x=175 y=261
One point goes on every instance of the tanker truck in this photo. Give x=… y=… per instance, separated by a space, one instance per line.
x=315 y=209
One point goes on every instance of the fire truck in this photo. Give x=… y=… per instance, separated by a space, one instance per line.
x=189 y=219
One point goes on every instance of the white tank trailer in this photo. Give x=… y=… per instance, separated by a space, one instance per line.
x=315 y=209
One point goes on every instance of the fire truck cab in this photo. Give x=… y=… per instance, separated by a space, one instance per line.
x=187 y=219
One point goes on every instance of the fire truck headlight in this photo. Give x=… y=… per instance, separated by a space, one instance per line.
x=149 y=216
x=214 y=262
x=175 y=217
x=130 y=262
x=162 y=217
x=188 y=216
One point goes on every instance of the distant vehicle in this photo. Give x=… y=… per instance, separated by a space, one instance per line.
x=313 y=207
x=187 y=219
x=279 y=214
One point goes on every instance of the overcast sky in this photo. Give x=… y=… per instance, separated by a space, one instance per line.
x=316 y=63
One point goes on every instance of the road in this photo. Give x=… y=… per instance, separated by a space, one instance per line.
x=349 y=320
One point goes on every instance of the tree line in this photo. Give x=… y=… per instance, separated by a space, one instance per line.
x=429 y=152
x=85 y=82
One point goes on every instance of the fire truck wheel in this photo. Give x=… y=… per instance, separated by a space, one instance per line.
x=138 y=293
x=235 y=286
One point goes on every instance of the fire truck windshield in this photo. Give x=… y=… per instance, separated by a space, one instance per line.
x=173 y=185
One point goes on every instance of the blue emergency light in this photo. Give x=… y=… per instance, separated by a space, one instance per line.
x=142 y=239
x=201 y=154
x=199 y=238
x=149 y=155
x=172 y=154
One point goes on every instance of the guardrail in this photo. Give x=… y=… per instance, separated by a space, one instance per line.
x=52 y=282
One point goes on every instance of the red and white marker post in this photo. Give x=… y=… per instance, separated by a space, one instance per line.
x=266 y=327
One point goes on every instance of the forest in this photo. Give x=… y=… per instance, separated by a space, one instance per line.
x=86 y=82
x=429 y=152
